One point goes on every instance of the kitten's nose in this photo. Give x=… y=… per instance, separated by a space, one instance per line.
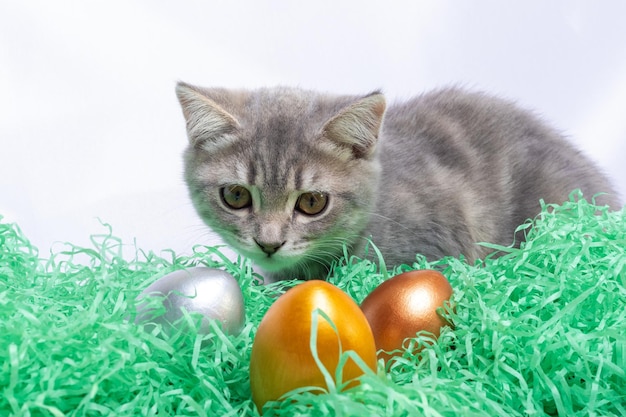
x=269 y=248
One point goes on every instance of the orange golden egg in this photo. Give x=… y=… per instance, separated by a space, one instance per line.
x=404 y=305
x=282 y=357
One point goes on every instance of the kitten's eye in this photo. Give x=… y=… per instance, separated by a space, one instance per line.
x=236 y=196
x=312 y=203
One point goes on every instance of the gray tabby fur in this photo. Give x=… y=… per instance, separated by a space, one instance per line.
x=434 y=175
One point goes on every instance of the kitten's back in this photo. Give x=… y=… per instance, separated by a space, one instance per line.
x=461 y=168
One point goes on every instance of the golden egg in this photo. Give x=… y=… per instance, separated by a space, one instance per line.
x=282 y=358
x=404 y=305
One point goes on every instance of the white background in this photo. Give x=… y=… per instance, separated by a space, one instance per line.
x=90 y=126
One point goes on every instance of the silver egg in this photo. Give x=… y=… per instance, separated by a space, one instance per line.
x=211 y=292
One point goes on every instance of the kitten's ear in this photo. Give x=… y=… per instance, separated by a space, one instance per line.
x=356 y=128
x=208 y=124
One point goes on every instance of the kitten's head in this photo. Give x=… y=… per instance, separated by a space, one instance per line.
x=284 y=176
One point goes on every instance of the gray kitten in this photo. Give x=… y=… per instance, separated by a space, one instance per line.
x=287 y=177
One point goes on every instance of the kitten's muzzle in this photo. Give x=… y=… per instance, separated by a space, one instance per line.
x=269 y=248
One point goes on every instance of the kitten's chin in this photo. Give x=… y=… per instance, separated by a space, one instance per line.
x=281 y=267
x=275 y=263
x=277 y=271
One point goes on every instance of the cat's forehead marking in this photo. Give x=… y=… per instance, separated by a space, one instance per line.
x=252 y=173
x=276 y=175
x=297 y=178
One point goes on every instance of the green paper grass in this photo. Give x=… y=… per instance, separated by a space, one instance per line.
x=539 y=330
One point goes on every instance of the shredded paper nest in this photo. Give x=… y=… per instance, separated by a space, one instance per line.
x=539 y=330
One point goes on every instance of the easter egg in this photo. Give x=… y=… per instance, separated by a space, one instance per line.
x=402 y=306
x=282 y=358
x=211 y=292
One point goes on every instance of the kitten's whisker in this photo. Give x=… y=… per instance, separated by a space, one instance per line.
x=389 y=219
